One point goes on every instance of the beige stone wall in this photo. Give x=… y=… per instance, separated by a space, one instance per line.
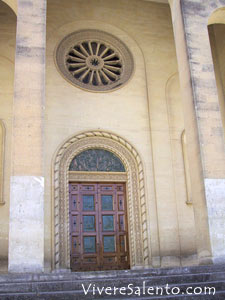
x=147 y=112
x=216 y=34
x=2 y=154
x=26 y=230
x=7 y=50
x=181 y=179
x=203 y=124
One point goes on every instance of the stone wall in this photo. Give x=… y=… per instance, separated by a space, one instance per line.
x=7 y=52
x=138 y=112
x=147 y=112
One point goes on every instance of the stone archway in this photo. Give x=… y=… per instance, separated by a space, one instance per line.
x=216 y=31
x=136 y=203
x=12 y=4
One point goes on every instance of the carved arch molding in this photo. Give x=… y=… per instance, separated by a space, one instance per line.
x=136 y=202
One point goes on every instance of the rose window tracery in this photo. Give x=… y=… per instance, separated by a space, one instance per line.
x=94 y=60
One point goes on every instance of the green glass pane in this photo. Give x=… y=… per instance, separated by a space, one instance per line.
x=88 y=202
x=107 y=223
x=109 y=244
x=89 y=223
x=89 y=244
x=107 y=202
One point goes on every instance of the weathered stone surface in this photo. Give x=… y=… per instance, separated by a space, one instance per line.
x=215 y=195
x=26 y=245
x=26 y=234
x=69 y=286
x=147 y=112
x=203 y=123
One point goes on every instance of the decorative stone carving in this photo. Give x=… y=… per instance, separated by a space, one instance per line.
x=97 y=176
x=94 y=60
x=137 y=215
x=97 y=160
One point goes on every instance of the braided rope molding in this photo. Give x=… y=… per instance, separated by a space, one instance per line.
x=137 y=215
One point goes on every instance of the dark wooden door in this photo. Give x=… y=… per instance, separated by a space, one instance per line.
x=98 y=226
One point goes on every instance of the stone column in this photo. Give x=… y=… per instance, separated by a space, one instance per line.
x=203 y=124
x=26 y=232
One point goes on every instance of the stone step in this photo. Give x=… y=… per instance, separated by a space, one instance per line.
x=58 y=285
x=111 y=274
x=76 y=295
x=69 y=285
x=36 y=291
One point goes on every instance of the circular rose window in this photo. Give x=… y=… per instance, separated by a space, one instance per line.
x=94 y=60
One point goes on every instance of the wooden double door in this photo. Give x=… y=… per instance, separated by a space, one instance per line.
x=98 y=226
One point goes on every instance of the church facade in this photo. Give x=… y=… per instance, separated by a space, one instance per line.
x=112 y=127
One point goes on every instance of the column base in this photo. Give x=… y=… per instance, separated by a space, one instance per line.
x=26 y=228
x=59 y=271
x=215 y=197
x=24 y=268
x=170 y=261
x=218 y=260
x=156 y=262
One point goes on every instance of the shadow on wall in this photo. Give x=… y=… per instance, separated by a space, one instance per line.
x=216 y=29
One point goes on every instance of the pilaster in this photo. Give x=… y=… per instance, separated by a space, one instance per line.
x=203 y=124
x=26 y=233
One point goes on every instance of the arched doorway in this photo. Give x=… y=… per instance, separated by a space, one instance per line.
x=98 y=212
x=132 y=180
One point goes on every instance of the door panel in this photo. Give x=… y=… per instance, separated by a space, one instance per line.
x=98 y=227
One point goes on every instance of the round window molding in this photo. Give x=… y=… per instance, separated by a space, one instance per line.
x=94 y=60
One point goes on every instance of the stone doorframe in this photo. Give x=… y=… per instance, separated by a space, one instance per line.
x=136 y=202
